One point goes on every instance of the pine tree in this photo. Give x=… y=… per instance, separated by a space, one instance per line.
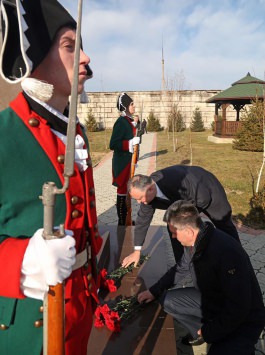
x=175 y=117
x=197 y=124
x=250 y=136
x=90 y=122
x=153 y=124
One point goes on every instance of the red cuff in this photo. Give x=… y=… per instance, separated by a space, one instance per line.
x=125 y=145
x=12 y=252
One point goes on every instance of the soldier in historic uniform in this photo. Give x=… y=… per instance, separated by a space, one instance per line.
x=33 y=135
x=122 y=142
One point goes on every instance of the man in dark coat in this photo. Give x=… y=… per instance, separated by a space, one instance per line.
x=223 y=304
x=178 y=182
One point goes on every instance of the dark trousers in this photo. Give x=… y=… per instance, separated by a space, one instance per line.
x=184 y=304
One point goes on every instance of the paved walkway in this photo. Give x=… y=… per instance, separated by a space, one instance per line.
x=253 y=241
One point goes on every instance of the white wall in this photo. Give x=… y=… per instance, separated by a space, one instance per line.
x=103 y=105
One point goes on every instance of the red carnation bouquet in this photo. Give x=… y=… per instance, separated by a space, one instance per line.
x=109 y=281
x=111 y=314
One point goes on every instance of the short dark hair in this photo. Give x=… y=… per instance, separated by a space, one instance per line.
x=139 y=182
x=183 y=213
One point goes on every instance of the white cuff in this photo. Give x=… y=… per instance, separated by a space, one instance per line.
x=131 y=146
x=138 y=247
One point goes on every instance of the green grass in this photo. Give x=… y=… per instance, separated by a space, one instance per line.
x=236 y=170
x=98 y=144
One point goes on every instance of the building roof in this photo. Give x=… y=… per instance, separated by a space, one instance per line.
x=243 y=90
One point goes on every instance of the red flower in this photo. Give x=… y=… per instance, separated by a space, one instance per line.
x=111 y=285
x=99 y=323
x=105 y=316
x=103 y=273
x=113 y=321
x=107 y=283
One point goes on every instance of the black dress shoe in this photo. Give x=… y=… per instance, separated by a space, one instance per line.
x=189 y=340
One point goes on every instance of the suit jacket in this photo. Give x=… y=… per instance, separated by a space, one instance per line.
x=191 y=183
x=30 y=154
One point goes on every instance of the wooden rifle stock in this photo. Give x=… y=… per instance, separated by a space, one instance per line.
x=128 y=221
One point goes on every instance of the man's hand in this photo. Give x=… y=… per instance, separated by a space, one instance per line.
x=132 y=258
x=145 y=296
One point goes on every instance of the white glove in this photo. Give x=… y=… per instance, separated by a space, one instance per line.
x=132 y=142
x=46 y=262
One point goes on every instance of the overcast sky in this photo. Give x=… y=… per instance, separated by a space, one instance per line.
x=207 y=44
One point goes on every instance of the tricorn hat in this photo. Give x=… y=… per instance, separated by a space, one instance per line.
x=123 y=102
x=28 y=29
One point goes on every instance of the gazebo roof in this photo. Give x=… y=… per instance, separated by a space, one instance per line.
x=241 y=91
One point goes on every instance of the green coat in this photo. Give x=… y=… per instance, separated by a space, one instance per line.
x=25 y=166
x=123 y=131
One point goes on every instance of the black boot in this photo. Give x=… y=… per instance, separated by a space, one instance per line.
x=121 y=209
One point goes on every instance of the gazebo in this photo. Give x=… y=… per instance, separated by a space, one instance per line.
x=241 y=93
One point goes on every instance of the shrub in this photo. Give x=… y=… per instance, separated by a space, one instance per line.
x=153 y=124
x=257 y=212
x=197 y=124
x=90 y=122
x=250 y=136
x=175 y=117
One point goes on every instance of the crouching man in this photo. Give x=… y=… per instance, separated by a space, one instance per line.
x=222 y=302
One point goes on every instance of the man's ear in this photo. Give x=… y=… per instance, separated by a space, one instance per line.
x=153 y=188
x=192 y=233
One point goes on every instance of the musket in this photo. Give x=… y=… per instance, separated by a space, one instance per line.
x=53 y=342
x=128 y=221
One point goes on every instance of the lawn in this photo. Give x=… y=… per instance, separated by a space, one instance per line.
x=99 y=144
x=237 y=170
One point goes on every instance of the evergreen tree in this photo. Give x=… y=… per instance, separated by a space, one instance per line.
x=175 y=117
x=90 y=122
x=197 y=124
x=153 y=124
x=250 y=136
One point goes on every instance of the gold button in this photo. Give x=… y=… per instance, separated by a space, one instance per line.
x=92 y=204
x=3 y=327
x=95 y=227
x=60 y=158
x=74 y=200
x=96 y=235
x=76 y=214
x=33 y=122
x=89 y=277
x=90 y=286
x=38 y=323
x=91 y=191
x=89 y=163
x=41 y=309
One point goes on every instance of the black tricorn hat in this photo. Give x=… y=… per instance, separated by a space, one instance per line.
x=123 y=101
x=28 y=29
